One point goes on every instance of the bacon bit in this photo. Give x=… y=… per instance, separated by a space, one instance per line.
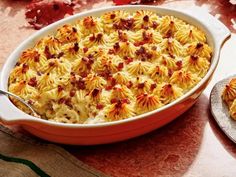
x=112 y=81
x=51 y=63
x=138 y=43
x=88 y=61
x=95 y=92
x=111 y=51
x=47 y=52
x=148 y=55
x=146 y=18
x=141 y=85
x=72 y=73
x=118 y=104
x=126 y=24
x=68 y=102
x=153 y=86
x=74 y=29
x=122 y=36
x=18 y=64
x=168 y=34
x=25 y=68
x=116 y=26
x=76 y=47
x=88 y=22
x=112 y=16
x=194 y=58
x=92 y=38
x=36 y=57
x=170 y=72
x=154 y=48
x=39 y=73
x=61 y=100
x=128 y=59
x=32 y=82
x=130 y=84
x=120 y=66
x=114 y=100
x=80 y=84
x=116 y=46
x=60 y=54
x=100 y=106
x=179 y=64
x=73 y=80
x=83 y=74
x=125 y=100
x=154 y=25
x=99 y=36
x=85 y=49
x=164 y=62
x=140 y=51
x=147 y=37
x=72 y=92
x=105 y=73
x=59 y=88
x=30 y=102
x=199 y=45
x=145 y=27
x=109 y=87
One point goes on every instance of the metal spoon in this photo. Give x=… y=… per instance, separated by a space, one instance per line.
x=21 y=100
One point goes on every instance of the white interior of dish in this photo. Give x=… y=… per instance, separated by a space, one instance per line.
x=207 y=27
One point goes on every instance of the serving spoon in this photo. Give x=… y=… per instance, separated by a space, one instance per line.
x=21 y=100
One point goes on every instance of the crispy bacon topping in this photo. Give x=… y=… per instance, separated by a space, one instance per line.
x=80 y=84
x=170 y=72
x=92 y=38
x=194 y=58
x=120 y=66
x=51 y=64
x=112 y=16
x=153 y=86
x=154 y=25
x=85 y=49
x=59 y=88
x=141 y=85
x=124 y=24
x=146 y=18
x=47 y=52
x=100 y=106
x=72 y=92
x=33 y=82
x=25 y=68
x=88 y=61
x=88 y=22
x=99 y=36
x=76 y=47
x=61 y=100
x=116 y=46
x=95 y=92
x=68 y=102
x=199 y=45
x=179 y=64
x=128 y=59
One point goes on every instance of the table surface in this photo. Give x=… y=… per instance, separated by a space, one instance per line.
x=192 y=145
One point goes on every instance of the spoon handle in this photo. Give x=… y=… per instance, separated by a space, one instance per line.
x=20 y=99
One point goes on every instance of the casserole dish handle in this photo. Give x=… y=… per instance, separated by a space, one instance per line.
x=14 y=115
x=216 y=27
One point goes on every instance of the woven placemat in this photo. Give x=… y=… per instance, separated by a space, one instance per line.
x=23 y=156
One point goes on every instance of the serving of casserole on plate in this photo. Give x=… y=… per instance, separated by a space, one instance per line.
x=111 y=74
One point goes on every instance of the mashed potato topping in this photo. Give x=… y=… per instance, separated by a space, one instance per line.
x=112 y=67
x=229 y=96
